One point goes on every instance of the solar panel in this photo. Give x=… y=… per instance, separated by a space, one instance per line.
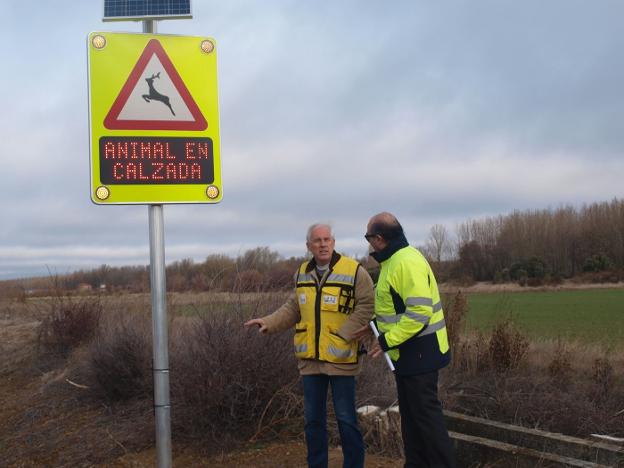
x=126 y=10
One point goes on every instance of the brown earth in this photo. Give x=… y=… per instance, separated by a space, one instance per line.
x=279 y=454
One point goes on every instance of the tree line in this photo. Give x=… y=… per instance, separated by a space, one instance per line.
x=258 y=269
x=530 y=247
x=548 y=244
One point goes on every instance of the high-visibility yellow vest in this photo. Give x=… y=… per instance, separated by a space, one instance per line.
x=409 y=313
x=324 y=308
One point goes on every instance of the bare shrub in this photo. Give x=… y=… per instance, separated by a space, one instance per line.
x=280 y=277
x=119 y=357
x=602 y=376
x=507 y=346
x=455 y=311
x=560 y=367
x=226 y=380
x=249 y=281
x=561 y=387
x=68 y=322
x=472 y=354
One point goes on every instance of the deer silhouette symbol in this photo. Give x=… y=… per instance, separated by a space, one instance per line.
x=155 y=95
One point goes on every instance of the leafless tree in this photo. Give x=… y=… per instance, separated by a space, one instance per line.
x=438 y=246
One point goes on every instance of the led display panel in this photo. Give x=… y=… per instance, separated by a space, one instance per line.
x=134 y=160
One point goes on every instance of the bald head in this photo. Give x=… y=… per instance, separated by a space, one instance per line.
x=384 y=218
x=385 y=225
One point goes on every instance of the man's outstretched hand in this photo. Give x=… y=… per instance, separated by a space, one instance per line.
x=262 y=328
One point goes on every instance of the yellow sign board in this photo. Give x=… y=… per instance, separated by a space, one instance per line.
x=154 y=119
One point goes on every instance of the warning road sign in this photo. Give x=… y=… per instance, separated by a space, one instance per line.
x=153 y=80
x=154 y=119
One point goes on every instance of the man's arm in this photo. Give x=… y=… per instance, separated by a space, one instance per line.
x=411 y=283
x=282 y=319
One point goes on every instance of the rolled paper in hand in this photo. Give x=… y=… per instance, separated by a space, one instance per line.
x=376 y=333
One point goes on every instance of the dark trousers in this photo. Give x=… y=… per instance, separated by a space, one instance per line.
x=315 y=405
x=425 y=439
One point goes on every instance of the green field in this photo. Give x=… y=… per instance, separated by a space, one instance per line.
x=590 y=316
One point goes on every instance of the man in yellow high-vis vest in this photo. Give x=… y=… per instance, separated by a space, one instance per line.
x=333 y=298
x=410 y=320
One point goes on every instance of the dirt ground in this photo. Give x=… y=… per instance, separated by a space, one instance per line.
x=279 y=454
x=48 y=422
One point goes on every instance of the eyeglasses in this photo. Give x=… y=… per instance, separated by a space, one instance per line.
x=369 y=236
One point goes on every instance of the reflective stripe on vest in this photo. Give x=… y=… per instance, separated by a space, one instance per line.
x=305 y=278
x=334 y=278
x=339 y=353
x=421 y=318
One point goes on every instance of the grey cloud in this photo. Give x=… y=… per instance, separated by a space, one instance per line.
x=333 y=111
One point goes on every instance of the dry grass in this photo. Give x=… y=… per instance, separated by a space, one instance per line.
x=567 y=388
x=68 y=323
x=229 y=386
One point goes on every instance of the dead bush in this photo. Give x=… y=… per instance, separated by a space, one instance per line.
x=560 y=367
x=249 y=281
x=504 y=348
x=551 y=390
x=455 y=311
x=472 y=355
x=602 y=376
x=67 y=323
x=507 y=346
x=118 y=361
x=229 y=380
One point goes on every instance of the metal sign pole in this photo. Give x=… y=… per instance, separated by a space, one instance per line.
x=193 y=86
x=162 y=406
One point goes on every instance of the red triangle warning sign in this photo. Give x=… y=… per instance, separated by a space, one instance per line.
x=154 y=97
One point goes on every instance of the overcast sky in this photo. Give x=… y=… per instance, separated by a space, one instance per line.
x=439 y=112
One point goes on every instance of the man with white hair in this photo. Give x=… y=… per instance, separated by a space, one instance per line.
x=333 y=298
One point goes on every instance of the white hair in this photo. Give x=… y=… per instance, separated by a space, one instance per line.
x=318 y=225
